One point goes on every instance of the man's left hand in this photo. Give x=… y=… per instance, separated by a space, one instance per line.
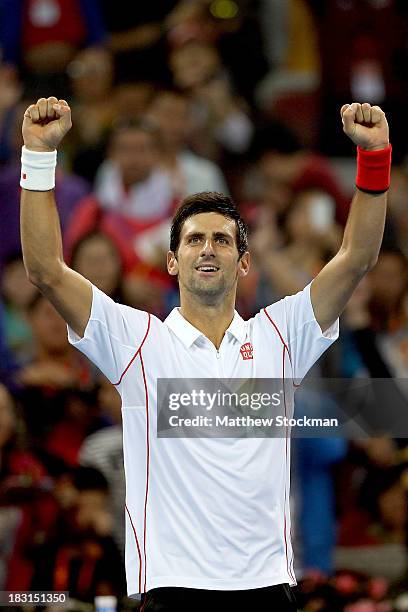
x=366 y=125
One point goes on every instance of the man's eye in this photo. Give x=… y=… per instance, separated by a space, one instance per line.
x=194 y=239
x=222 y=240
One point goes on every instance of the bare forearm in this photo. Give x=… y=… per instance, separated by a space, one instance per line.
x=364 y=229
x=41 y=236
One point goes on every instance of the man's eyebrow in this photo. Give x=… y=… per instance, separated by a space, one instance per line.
x=194 y=235
x=222 y=235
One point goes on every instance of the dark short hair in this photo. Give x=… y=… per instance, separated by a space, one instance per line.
x=204 y=202
x=143 y=124
x=89 y=479
x=274 y=137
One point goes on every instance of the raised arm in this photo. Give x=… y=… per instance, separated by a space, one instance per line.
x=332 y=288
x=45 y=124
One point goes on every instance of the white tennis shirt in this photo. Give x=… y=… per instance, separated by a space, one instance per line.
x=208 y=513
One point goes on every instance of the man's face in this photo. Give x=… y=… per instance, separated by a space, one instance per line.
x=135 y=153
x=170 y=111
x=207 y=261
x=49 y=329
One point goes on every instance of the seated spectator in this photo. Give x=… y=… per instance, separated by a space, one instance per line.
x=82 y=557
x=132 y=100
x=17 y=292
x=382 y=516
x=362 y=51
x=285 y=168
x=51 y=386
x=388 y=284
x=103 y=450
x=132 y=193
x=93 y=109
x=234 y=27
x=136 y=39
x=398 y=210
x=220 y=121
x=189 y=173
x=7 y=364
x=69 y=189
x=54 y=366
x=98 y=257
x=11 y=89
x=42 y=38
x=22 y=478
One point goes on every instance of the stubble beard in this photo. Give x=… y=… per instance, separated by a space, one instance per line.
x=206 y=294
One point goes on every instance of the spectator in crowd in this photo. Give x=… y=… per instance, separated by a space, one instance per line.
x=82 y=557
x=41 y=38
x=71 y=190
x=91 y=76
x=17 y=292
x=398 y=208
x=189 y=173
x=220 y=120
x=56 y=385
x=54 y=364
x=132 y=195
x=315 y=460
x=235 y=29
x=7 y=364
x=286 y=168
x=11 y=89
x=136 y=39
x=289 y=92
x=380 y=519
x=22 y=477
x=103 y=450
x=98 y=257
x=292 y=257
x=364 y=54
x=389 y=284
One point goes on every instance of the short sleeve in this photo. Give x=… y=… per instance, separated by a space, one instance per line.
x=306 y=341
x=112 y=336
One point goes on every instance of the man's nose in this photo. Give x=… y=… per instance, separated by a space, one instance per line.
x=208 y=248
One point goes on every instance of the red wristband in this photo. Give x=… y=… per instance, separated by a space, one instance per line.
x=373 y=170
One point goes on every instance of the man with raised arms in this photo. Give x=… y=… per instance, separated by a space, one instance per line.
x=207 y=519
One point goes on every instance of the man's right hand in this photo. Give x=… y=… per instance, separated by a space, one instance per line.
x=46 y=123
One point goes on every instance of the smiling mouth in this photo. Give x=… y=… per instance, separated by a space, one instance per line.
x=207 y=269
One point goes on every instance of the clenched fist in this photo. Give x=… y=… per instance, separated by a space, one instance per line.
x=366 y=125
x=46 y=123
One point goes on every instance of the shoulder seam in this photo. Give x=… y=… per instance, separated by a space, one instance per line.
x=137 y=352
x=132 y=348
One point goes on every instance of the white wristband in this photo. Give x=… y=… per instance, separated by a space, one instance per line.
x=38 y=169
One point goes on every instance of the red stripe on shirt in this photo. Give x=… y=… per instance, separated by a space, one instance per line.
x=138 y=549
x=282 y=340
x=147 y=466
x=289 y=568
x=137 y=352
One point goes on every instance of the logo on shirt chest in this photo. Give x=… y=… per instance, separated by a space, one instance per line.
x=246 y=351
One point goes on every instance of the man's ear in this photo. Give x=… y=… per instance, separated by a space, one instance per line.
x=244 y=264
x=172 y=263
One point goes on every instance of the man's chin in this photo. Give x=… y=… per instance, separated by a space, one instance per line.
x=208 y=293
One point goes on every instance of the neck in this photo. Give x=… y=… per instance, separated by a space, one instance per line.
x=169 y=158
x=211 y=320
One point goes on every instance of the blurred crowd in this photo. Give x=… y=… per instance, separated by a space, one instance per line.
x=170 y=98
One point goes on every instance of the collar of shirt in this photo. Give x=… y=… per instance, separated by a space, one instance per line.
x=188 y=334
